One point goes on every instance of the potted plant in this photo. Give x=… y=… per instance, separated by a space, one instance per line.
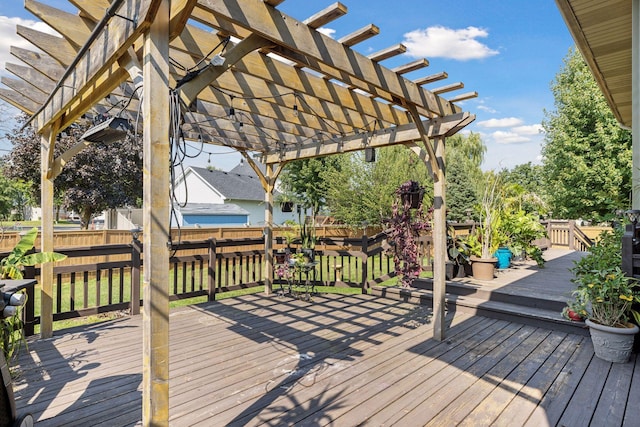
x=485 y=240
x=411 y=194
x=607 y=295
x=11 y=267
x=307 y=237
x=457 y=253
x=286 y=202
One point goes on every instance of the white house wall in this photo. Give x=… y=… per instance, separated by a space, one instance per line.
x=198 y=191
x=256 y=212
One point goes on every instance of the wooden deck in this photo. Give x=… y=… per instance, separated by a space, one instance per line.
x=337 y=360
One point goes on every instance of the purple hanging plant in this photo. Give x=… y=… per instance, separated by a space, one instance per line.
x=403 y=230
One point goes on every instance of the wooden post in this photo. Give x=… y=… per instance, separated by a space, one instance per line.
x=211 y=270
x=365 y=263
x=268 y=230
x=29 y=314
x=48 y=140
x=627 y=249
x=136 y=261
x=439 y=242
x=635 y=103
x=572 y=232
x=155 y=372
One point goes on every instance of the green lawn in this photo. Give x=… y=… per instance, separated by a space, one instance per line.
x=350 y=273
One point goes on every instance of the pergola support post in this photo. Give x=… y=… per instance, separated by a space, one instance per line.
x=268 y=230
x=635 y=103
x=48 y=140
x=439 y=242
x=155 y=375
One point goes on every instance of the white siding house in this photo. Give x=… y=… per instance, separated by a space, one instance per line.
x=219 y=198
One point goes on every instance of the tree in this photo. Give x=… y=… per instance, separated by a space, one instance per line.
x=527 y=181
x=586 y=155
x=305 y=181
x=463 y=157
x=100 y=177
x=360 y=193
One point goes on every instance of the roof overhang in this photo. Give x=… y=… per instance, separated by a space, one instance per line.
x=602 y=32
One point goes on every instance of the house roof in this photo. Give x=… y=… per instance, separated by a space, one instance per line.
x=602 y=32
x=212 y=209
x=231 y=185
x=243 y=168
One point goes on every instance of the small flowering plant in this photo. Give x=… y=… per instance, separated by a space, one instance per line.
x=610 y=294
x=603 y=289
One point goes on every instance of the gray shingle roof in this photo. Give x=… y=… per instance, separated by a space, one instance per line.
x=212 y=209
x=233 y=185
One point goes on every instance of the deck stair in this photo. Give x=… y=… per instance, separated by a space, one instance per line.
x=523 y=294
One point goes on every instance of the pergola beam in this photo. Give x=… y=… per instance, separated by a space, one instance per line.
x=358 y=36
x=328 y=56
x=404 y=134
x=329 y=14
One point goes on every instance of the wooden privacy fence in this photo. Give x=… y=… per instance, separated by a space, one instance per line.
x=204 y=268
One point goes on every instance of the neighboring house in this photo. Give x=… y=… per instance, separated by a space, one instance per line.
x=221 y=198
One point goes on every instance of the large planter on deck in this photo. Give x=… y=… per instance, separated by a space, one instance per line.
x=610 y=343
x=483 y=268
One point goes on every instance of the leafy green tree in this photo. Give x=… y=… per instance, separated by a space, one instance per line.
x=304 y=180
x=101 y=176
x=527 y=180
x=362 y=193
x=586 y=156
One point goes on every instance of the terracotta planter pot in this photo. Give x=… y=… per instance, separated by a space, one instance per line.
x=612 y=344
x=483 y=268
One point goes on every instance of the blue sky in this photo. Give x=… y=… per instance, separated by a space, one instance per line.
x=507 y=50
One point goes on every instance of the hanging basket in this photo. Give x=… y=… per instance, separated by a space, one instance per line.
x=286 y=206
x=412 y=198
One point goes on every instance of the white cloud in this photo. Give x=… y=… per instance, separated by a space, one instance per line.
x=500 y=123
x=528 y=129
x=8 y=36
x=486 y=109
x=442 y=42
x=327 y=31
x=506 y=137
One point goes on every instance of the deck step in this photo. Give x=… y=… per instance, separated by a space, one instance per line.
x=499 y=294
x=525 y=310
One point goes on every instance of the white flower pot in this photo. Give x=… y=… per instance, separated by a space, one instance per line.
x=612 y=344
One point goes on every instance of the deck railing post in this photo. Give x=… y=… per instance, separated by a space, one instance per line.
x=29 y=313
x=211 y=270
x=572 y=226
x=627 y=249
x=136 y=261
x=365 y=263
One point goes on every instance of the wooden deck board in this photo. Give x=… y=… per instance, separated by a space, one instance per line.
x=337 y=360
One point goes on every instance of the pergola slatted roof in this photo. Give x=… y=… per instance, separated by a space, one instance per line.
x=346 y=93
x=295 y=93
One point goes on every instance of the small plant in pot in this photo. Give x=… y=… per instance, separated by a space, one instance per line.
x=11 y=268
x=607 y=295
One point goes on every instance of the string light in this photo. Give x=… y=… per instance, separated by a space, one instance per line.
x=295 y=110
x=232 y=111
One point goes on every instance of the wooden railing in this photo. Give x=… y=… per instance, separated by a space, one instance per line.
x=567 y=234
x=107 y=278
x=204 y=268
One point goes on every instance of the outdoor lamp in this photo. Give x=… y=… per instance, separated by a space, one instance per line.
x=633 y=215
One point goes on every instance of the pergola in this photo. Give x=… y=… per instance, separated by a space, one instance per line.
x=195 y=66
x=607 y=33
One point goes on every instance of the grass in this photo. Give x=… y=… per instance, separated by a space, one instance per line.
x=351 y=272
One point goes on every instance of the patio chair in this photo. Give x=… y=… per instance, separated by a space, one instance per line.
x=8 y=416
